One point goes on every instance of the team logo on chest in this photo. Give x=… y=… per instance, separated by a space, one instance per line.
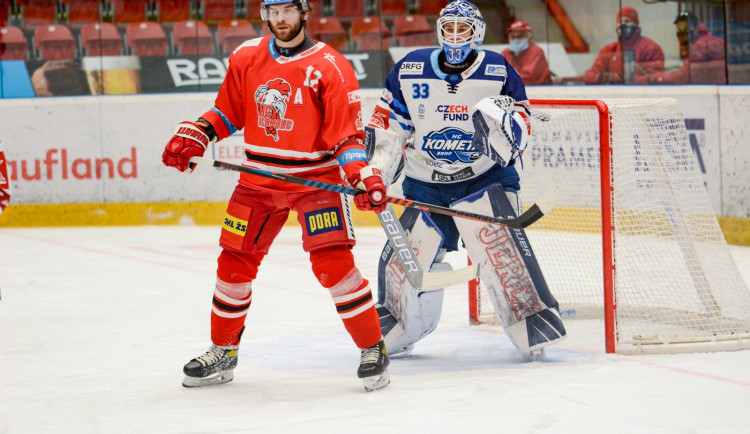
x=450 y=145
x=271 y=101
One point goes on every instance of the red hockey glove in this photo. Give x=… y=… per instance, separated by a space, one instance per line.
x=369 y=179
x=189 y=140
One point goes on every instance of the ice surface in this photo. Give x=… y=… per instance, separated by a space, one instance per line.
x=96 y=323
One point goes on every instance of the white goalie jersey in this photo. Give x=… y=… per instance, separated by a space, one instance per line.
x=431 y=111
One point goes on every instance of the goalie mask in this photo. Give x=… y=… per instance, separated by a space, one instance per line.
x=460 y=29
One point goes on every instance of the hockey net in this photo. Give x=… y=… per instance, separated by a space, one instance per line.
x=634 y=239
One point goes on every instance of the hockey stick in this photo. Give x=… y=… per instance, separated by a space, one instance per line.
x=527 y=218
x=417 y=277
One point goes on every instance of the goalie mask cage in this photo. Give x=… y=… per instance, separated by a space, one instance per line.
x=633 y=236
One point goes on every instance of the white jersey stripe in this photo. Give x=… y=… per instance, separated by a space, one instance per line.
x=351 y=296
x=287 y=152
x=226 y=299
x=358 y=310
x=289 y=170
x=223 y=314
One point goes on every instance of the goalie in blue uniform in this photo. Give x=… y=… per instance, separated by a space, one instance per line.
x=424 y=125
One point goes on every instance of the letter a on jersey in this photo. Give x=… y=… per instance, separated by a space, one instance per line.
x=271 y=100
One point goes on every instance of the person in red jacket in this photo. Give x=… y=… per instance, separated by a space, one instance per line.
x=630 y=58
x=297 y=101
x=703 y=55
x=526 y=56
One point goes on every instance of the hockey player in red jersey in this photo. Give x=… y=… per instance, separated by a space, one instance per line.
x=298 y=103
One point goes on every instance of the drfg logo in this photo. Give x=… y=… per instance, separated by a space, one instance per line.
x=411 y=68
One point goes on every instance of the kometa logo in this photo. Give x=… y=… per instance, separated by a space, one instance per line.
x=450 y=145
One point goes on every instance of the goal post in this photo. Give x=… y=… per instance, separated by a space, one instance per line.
x=633 y=238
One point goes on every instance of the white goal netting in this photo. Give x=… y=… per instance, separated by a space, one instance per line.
x=675 y=284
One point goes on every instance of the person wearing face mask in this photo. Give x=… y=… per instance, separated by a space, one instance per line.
x=526 y=56
x=629 y=59
x=437 y=105
x=703 y=55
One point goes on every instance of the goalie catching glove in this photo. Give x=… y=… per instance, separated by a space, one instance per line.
x=189 y=140
x=370 y=180
x=500 y=132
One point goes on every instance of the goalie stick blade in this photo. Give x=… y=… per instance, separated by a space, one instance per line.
x=432 y=281
x=536 y=211
x=547 y=201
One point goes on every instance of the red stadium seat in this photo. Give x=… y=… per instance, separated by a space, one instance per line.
x=317 y=6
x=174 y=10
x=218 y=10
x=101 y=39
x=431 y=7
x=413 y=30
x=4 y=12
x=348 y=8
x=370 y=33
x=131 y=11
x=392 y=7
x=83 y=11
x=192 y=37
x=146 y=39
x=328 y=30
x=13 y=44
x=37 y=12
x=55 y=42
x=253 y=10
x=232 y=33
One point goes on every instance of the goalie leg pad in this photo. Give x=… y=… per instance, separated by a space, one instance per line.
x=510 y=272
x=538 y=330
x=408 y=314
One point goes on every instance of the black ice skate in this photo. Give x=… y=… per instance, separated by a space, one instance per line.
x=213 y=367
x=373 y=362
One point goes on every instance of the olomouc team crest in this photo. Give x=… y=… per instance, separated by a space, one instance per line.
x=271 y=99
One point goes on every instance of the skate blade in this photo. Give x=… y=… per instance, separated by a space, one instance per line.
x=537 y=355
x=377 y=382
x=403 y=352
x=217 y=378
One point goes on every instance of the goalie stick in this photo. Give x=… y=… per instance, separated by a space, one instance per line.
x=417 y=277
x=526 y=219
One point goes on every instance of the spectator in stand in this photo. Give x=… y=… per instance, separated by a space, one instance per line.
x=630 y=58
x=526 y=56
x=703 y=55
